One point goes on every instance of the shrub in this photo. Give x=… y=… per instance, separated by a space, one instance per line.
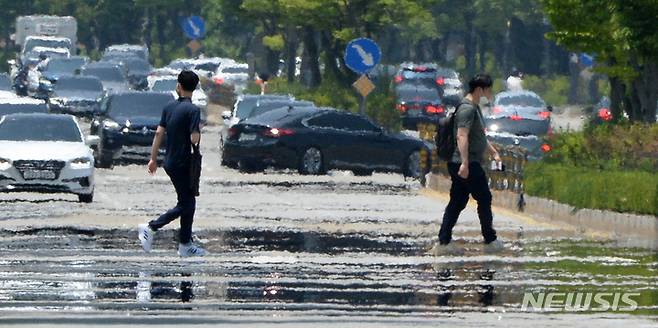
x=622 y=191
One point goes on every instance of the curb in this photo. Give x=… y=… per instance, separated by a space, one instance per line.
x=621 y=226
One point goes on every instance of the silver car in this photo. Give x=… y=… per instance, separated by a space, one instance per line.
x=54 y=158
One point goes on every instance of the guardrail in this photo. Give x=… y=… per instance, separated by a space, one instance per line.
x=514 y=159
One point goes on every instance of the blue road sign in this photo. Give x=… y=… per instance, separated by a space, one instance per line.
x=586 y=60
x=194 y=27
x=361 y=55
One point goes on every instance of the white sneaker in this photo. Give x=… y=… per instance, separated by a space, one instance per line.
x=494 y=247
x=447 y=249
x=189 y=249
x=146 y=236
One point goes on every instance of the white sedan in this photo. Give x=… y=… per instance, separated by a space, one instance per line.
x=53 y=158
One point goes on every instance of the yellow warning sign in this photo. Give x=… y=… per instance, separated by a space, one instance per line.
x=363 y=85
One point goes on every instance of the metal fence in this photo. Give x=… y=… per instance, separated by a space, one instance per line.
x=513 y=158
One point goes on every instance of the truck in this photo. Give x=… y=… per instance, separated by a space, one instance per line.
x=43 y=25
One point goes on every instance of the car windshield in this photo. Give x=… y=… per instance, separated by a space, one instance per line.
x=139 y=104
x=245 y=106
x=109 y=73
x=235 y=70
x=164 y=85
x=79 y=83
x=419 y=94
x=207 y=66
x=6 y=109
x=180 y=65
x=419 y=74
x=61 y=65
x=447 y=73
x=54 y=128
x=137 y=65
x=32 y=43
x=265 y=107
x=5 y=84
x=520 y=100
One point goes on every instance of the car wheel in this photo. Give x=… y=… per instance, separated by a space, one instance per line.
x=311 y=162
x=362 y=172
x=103 y=158
x=412 y=165
x=88 y=198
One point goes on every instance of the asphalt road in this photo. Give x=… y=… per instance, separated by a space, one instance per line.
x=295 y=251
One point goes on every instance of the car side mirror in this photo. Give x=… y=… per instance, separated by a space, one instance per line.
x=93 y=140
x=226 y=115
x=549 y=108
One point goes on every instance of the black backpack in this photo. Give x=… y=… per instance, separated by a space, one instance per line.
x=445 y=136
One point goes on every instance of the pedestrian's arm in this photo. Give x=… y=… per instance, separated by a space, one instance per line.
x=462 y=143
x=159 y=134
x=493 y=151
x=195 y=137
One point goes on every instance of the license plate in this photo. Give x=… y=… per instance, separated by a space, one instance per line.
x=39 y=175
x=247 y=137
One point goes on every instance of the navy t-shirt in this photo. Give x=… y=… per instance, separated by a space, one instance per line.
x=179 y=118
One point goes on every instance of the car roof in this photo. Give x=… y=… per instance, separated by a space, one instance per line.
x=79 y=77
x=134 y=92
x=102 y=64
x=265 y=96
x=22 y=100
x=45 y=37
x=282 y=114
x=48 y=116
x=517 y=93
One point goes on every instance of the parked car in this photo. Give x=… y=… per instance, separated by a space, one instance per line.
x=58 y=67
x=110 y=74
x=242 y=109
x=53 y=158
x=315 y=140
x=123 y=51
x=168 y=84
x=519 y=118
x=126 y=126
x=22 y=105
x=418 y=104
x=77 y=95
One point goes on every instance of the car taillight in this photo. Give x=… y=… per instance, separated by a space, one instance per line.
x=401 y=108
x=232 y=132
x=218 y=80
x=440 y=81
x=516 y=118
x=605 y=114
x=276 y=132
x=545 y=115
x=398 y=79
x=545 y=148
x=497 y=110
x=431 y=109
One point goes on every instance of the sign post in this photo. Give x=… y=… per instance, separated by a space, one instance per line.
x=361 y=56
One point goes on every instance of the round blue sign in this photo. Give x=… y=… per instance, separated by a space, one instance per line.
x=362 y=55
x=194 y=27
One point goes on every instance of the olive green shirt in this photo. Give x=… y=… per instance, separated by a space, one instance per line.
x=469 y=116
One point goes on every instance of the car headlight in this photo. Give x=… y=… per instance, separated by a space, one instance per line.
x=81 y=163
x=111 y=125
x=493 y=127
x=128 y=123
x=5 y=163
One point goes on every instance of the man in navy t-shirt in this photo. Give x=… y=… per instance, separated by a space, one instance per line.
x=180 y=121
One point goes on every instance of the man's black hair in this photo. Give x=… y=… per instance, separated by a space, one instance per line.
x=480 y=81
x=188 y=80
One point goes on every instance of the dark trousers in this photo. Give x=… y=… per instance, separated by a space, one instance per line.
x=185 y=207
x=476 y=184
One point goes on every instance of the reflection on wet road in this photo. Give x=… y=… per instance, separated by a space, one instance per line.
x=285 y=245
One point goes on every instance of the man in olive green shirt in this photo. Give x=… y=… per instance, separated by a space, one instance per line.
x=465 y=168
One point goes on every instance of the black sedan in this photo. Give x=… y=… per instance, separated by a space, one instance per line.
x=127 y=126
x=418 y=104
x=519 y=118
x=315 y=140
x=76 y=95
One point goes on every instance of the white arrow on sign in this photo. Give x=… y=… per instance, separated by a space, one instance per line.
x=197 y=30
x=366 y=58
